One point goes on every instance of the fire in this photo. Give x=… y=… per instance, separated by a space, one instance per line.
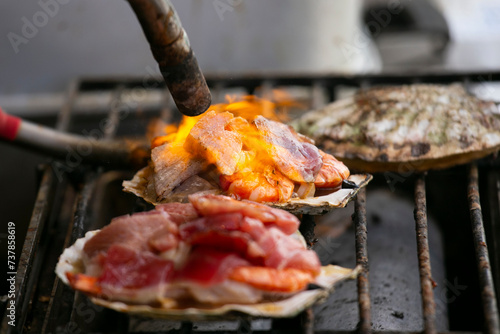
x=247 y=107
x=176 y=134
x=242 y=147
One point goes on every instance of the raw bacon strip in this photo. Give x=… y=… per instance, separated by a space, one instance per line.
x=207 y=205
x=123 y=267
x=163 y=242
x=290 y=253
x=224 y=232
x=207 y=266
x=126 y=274
x=233 y=241
x=298 y=160
x=332 y=173
x=281 y=250
x=220 y=222
x=132 y=231
x=252 y=240
x=209 y=139
x=173 y=165
x=179 y=212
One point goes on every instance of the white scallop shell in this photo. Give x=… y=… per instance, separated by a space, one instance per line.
x=313 y=205
x=71 y=261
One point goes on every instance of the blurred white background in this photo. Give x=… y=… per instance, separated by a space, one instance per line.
x=46 y=43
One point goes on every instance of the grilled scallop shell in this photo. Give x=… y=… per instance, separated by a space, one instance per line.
x=413 y=127
x=71 y=261
x=142 y=186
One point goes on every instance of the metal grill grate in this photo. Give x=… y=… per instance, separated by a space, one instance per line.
x=66 y=208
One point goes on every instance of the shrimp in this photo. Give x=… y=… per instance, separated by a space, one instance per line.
x=332 y=172
x=269 y=186
x=84 y=283
x=272 y=279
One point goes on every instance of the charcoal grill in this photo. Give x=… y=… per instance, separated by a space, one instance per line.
x=75 y=198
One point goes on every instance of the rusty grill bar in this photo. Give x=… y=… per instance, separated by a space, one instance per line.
x=359 y=219
x=424 y=264
x=490 y=307
x=53 y=226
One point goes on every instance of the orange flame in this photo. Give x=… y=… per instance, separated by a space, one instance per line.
x=247 y=107
x=242 y=149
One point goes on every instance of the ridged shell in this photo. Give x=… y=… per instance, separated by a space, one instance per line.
x=139 y=185
x=421 y=126
x=71 y=261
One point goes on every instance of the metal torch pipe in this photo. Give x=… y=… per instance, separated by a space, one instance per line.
x=171 y=49
x=72 y=148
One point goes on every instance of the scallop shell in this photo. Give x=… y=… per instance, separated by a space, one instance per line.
x=140 y=186
x=405 y=128
x=323 y=204
x=71 y=261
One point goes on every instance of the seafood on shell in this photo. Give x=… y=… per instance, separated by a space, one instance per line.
x=256 y=159
x=214 y=257
x=410 y=127
x=140 y=185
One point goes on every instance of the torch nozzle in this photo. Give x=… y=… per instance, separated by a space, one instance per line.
x=171 y=49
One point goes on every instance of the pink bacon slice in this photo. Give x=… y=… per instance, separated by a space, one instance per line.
x=207 y=266
x=133 y=231
x=207 y=205
x=225 y=232
x=250 y=239
x=123 y=267
x=123 y=270
x=179 y=212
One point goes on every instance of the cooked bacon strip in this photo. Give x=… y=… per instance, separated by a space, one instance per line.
x=207 y=266
x=271 y=279
x=179 y=212
x=240 y=125
x=332 y=173
x=173 y=165
x=298 y=160
x=132 y=231
x=209 y=139
x=207 y=205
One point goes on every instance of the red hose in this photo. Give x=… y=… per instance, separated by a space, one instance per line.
x=9 y=125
